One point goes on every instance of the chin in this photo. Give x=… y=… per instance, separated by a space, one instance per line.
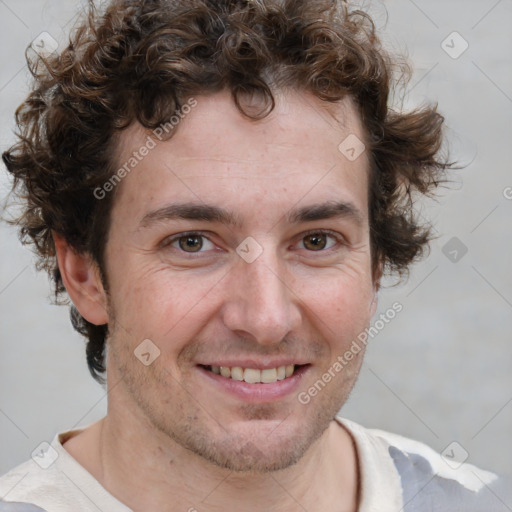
x=248 y=458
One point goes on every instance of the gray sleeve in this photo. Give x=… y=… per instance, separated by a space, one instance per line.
x=6 y=506
x=425 y=491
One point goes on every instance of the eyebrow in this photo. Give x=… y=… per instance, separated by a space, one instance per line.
x=213 y=213
x=327 y=210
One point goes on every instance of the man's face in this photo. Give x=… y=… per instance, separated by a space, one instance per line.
x=302 y=300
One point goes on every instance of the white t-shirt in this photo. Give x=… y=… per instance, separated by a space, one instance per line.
x=397 y=475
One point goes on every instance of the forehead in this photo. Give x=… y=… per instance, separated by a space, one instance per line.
x=216 y=153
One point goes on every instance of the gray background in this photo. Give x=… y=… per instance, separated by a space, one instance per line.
x=440 y=371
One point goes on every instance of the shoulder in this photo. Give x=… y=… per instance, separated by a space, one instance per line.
x=430 y=480
x=42 y=481
x=27 y=484
x=54 y=481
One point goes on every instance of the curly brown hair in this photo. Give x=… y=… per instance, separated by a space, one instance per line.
x=140 y=60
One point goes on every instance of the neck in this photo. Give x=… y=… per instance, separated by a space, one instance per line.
x=128 y=461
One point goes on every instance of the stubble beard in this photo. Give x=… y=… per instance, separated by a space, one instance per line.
x=181 y=418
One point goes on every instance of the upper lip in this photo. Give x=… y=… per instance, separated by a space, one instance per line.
x=257 y=365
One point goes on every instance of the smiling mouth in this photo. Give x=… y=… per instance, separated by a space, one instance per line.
x=255 y=376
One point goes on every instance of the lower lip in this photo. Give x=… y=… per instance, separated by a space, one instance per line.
x=257 y=393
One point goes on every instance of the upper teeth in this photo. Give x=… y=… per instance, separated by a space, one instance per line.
x=253 y=375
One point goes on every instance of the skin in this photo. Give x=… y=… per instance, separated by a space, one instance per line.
x=168 y=428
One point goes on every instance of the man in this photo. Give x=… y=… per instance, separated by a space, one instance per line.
x=219 y=188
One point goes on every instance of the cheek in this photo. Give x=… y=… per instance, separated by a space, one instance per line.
x=161 y=304
x=342 y=306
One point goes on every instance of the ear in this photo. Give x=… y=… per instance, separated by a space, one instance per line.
x=81 y=277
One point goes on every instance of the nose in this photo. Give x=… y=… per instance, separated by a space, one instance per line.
x=260 y=301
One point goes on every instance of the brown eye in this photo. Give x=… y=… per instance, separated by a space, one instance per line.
x=191 y=243
x=318 y=241
x=315 y=241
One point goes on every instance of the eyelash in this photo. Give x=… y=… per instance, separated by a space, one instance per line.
x=338 y=238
